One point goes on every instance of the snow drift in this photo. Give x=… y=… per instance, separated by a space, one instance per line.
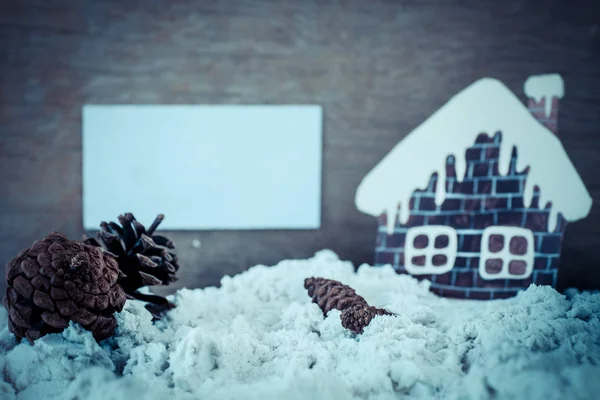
x=258 y=336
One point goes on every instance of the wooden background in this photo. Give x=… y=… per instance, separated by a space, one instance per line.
x=379 y=68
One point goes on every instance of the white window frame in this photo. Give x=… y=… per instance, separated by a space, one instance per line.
x=508 y=232
x=432 y=232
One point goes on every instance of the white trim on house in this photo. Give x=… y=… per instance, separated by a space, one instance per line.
x=507 y=232
x=429 y=251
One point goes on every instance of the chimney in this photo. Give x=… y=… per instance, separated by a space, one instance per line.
x=544 y=93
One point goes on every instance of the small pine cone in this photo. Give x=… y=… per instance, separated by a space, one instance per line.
x=330 y=294
x=58 y=280
x=357 y=317
x=144 y=258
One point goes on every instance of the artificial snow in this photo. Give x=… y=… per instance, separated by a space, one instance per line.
x=545 y=87
x=259 y=336
x=486 y=106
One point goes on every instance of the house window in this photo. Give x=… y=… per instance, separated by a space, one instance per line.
x=507 y=252
x=430 y=249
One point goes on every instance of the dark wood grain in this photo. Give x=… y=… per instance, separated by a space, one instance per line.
x=379 y=68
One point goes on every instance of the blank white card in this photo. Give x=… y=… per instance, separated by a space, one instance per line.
x=204 y=167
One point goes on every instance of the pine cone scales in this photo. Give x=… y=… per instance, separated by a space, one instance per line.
x=58 y=280
x=330 y=294
x=143 y=257
x=357 y=317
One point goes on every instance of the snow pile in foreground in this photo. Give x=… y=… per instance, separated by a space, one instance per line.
x=260 y=337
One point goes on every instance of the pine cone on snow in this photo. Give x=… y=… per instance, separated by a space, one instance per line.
x=330 y=294
x=357 y=317
x=58 y=280
x=144 y=258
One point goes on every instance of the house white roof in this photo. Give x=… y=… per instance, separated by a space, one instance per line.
x=486 y=106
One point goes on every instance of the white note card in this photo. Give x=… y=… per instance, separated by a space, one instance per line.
x=207 y=167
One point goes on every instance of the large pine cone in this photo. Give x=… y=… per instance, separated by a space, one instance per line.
x=330 y=294
x=58 y=280
x=144 y=258
x=357 y=317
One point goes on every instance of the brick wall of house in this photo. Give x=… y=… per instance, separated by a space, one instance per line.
x=483 y=198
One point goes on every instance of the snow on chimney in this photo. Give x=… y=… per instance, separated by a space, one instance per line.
x=544 y=93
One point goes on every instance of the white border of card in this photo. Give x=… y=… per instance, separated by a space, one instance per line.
x=206 y=167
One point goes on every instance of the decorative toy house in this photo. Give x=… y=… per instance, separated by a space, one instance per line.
x=476 y=199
